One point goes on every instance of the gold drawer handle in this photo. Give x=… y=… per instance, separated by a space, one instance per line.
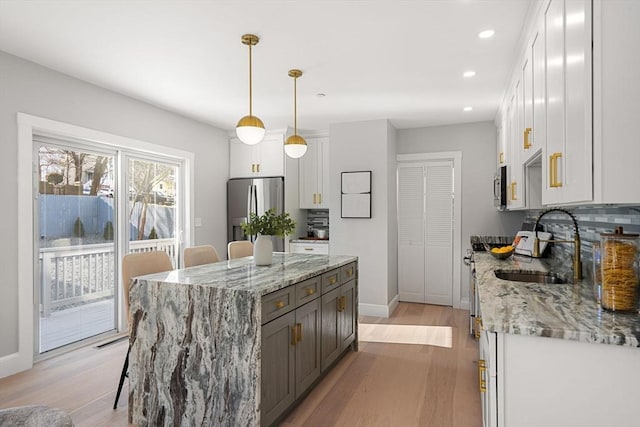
x=279 y=305
x=308 y=249
x=258 y=167
x=553 y=170
x=501 y=157
x=349 y=272
x=315 y=199
x=482 y=368
x=319 y=198
x=310 y=291
x=513 y=190
x=332 y=280
x=343 y=300
x=339 y=303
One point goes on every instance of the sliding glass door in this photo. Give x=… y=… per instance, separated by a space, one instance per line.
x=95 y=204
x=76 y=245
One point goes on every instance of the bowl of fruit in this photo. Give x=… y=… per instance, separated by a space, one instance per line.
x=502 y=252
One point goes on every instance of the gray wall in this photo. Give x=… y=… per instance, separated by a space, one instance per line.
x=477 y=141
x=366 y=146
x=29 y=88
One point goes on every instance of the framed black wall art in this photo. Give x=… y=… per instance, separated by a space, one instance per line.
x=356 y=194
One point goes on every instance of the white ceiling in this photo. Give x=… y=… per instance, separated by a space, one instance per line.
x=396 y=59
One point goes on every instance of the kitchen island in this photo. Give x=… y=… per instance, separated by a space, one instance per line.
x=549 y=354
x=231 y=343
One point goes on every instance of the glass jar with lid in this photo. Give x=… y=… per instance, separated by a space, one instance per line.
x=619 y=265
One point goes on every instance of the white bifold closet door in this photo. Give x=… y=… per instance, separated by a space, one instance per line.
x=425 y=232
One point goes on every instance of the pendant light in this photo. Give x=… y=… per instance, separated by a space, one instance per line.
x=295 y=146
x=250 y=129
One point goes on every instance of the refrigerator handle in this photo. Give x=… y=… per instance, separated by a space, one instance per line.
x=249 y=200
x=255 y=195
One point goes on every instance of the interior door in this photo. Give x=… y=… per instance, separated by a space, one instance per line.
x=425 y=232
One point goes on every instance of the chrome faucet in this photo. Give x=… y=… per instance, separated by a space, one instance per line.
x=577 y=263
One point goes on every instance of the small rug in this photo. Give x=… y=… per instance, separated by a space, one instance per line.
x=440 y=336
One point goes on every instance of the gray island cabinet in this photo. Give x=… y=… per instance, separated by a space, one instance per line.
x=234 y=344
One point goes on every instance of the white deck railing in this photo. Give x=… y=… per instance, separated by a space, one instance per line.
x=79 y=274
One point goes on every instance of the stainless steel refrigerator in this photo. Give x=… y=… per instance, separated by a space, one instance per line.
x=258 y=195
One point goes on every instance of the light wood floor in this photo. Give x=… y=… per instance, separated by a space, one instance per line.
x=380 y=385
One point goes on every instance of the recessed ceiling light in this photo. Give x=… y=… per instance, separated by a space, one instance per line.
x=469 y=73
x=468 y=108
x=486 y=34
x=321 y=95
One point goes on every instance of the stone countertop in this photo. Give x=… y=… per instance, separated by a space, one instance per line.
x=566 y=311
x=242 y=274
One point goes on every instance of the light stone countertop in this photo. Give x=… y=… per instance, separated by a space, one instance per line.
x=243 y=275
x=312 y=241
x=566 y=311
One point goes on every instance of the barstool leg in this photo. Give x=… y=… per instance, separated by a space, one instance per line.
x=124 y=374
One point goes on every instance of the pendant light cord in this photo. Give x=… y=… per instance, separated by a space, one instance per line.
x=250 y=84
x=295 y=106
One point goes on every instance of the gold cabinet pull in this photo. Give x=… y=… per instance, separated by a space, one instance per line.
x=279 y=305
x=258 y=167
x=339 y=304
x=501 y=157
x=314 y=198
x=482 y=368
x=478 y=327
x=553 y=163
x=310 y=291
x=332 y=280
x=349 y=272
x=308 y=249
x=294 y=335
x=551 y=174
x=513 y=190
x=253 y=167
x=527 y=134
x=344 y=302
x=299 y=328
x=319 y=198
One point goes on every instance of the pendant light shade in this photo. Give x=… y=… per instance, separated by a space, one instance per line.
x=295 y=146
x=250 y=129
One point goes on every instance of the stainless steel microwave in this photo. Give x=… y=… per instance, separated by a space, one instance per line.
x=500 y=189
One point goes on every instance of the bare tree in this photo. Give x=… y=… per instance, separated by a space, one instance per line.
x=99 y=170
x=143 y=177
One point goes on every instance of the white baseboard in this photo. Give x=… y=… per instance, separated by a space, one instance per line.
x=378 y=310
x=12 y=364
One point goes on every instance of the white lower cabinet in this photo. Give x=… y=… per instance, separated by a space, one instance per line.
x=535 y=381
x=309 y=248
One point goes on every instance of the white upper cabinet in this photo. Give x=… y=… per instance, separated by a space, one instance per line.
x=515 y=187
x=567 y=154
x=314 y=174
x=263 y=159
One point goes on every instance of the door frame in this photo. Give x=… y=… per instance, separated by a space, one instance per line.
x=28 y=124
x=456 y=158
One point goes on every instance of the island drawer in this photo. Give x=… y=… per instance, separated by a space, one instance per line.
x=330 y=280
x=308 y=290
x=278 y=303
x=347 y=272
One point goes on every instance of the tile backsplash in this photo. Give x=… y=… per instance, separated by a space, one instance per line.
x=591 y=222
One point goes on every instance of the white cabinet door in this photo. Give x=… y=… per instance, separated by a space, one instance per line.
x=314 y=174
x=568 y=153
x=487 y=378
x=271 y=156
x=263 y=159
x=528 y=147
x=308 y=175
x=515 y=193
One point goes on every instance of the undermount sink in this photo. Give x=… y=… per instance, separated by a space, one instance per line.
x=529 y=276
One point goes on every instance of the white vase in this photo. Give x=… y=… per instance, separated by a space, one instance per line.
x=263 y=250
